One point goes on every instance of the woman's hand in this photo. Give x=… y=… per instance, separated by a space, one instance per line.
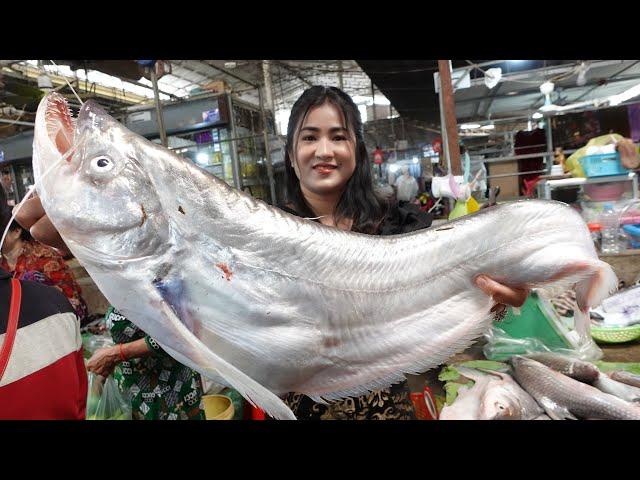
x=104 y=361
x=501 y=294
x=32 y=217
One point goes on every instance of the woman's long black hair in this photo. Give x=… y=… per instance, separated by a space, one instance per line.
x=359 y=201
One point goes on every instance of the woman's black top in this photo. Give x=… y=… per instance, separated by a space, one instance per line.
x=392 y=403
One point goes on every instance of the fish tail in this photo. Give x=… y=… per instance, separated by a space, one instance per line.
x=215 y=367
x=206 y=361
x=251 y=390
x=593 y=290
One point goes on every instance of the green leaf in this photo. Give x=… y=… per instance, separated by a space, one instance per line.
x=449 y=372
x=626 y=366
x=486 y=364
x=451 y=388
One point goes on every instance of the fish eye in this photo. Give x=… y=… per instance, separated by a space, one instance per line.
x=102 y=164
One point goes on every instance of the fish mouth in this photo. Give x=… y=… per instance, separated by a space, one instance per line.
x=60 y=124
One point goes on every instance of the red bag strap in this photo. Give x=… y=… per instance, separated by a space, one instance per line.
x=12 y=325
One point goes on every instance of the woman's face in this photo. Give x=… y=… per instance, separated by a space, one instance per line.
x=325 y=158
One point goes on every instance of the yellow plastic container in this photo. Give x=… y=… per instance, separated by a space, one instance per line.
x=217 y=407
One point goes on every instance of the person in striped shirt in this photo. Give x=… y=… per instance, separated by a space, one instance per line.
x=45 y=377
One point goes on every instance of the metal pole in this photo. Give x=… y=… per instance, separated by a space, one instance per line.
x=235 y=160
x=268 y=86
x=373 y=98
x=154 y=81
x=448 y=102
x=393 y=132
x=340 y=84
x=517 y=157
x=15 y=122
x=443 y=128
x=547 y=129
x=445 y=141
x=393 y=137
x=267 y=150
x=502 y=175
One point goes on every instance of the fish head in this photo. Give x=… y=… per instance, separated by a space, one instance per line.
x=500 y=404
x=526 y=368
x=519 y=361
x=99 y=198
x=500 y=401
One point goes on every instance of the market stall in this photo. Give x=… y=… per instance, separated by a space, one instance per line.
x=228 y=300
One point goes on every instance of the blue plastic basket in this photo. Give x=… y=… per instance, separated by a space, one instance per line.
x=602 y=165
x=633 y=232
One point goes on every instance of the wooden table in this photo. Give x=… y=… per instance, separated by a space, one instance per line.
x=621 y=352
x=626 y=264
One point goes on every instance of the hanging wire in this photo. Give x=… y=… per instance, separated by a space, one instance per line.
x=22 y=112
x=66 y=80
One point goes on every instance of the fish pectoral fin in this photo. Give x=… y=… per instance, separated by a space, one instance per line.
x=555 y=411
x=171 y=289
x=194 y=352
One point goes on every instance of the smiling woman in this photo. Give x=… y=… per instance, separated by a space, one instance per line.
x=329 y=179
x=328 y=169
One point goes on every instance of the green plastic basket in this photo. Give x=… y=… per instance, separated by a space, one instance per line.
x=615 y=334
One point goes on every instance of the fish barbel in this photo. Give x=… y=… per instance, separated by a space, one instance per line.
x=269 y=303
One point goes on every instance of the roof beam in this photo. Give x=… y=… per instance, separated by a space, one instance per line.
x=232 y=75
x=491 y=99
x=610 y=78
x=293 y=72
x=546 y=71
x=537 y=90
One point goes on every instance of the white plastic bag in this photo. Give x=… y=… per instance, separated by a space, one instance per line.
x=104 y=400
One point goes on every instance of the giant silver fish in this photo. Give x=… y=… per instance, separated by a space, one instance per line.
x=269 y=303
